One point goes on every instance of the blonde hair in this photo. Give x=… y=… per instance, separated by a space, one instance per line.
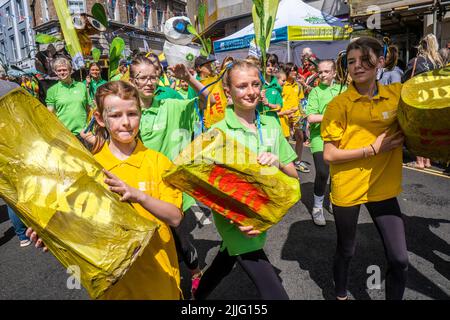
x=238 y=64
x=61 y=61
x=428 y=48
x=123 y=90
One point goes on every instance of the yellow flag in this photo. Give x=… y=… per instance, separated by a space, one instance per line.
x=70 y=35
x=215 y=112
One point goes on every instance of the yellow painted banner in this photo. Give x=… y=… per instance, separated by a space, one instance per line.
x=296 y=33
x=215 y=112
x=69 y=32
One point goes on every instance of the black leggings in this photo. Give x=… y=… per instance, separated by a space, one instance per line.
x=322 y=173
x=185 y=248
x=388 y=220
x=255 y=264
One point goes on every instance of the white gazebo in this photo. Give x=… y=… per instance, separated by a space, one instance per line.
x=297 y=25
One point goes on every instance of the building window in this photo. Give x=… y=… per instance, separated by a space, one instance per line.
x=45 y=15
x=20 y=10
x=8 y=18
x=23 y=37
x=3 y=57
x=76 y=6
x=112 y=9
x=160 y=17
x=132 y=12
x=14 y=48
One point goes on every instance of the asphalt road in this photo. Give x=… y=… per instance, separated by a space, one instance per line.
x=300 y=251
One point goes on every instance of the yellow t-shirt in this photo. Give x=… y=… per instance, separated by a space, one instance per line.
x=155 y=275
x=356 y=121
x=292 y=95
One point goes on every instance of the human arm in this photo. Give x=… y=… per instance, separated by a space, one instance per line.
x=312 y=108
x=162 y=210
x=383 y=143
x=265 y=101
x=181 y=72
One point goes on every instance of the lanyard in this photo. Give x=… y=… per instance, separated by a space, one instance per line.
x=258 y=127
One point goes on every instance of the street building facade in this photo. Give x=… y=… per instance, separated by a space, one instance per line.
x=16 y=34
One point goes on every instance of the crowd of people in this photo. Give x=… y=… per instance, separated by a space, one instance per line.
x=334 y=107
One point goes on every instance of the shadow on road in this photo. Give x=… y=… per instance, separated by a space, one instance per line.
x=314 y=247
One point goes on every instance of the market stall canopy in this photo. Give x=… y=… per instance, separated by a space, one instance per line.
x=295 y=21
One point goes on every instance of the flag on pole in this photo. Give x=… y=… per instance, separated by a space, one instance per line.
x=70 y=35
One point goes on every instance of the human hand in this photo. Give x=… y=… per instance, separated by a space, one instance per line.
x=249 y=231
x=35 y=238
x=88 y=80
x=88 y=136
x=118 y=186
x=385 y=143
x=267 y=158
x=180 y=71
x=263 y=98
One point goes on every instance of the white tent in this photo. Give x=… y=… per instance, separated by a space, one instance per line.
x=297 y=25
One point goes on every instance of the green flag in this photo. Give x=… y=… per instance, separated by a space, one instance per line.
x=264 y=13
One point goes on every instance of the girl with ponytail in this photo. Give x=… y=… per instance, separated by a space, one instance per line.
x=135 y=173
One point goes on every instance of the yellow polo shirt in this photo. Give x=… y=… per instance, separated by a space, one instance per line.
x=292 y=95
x=356 y=121
x=155 y=274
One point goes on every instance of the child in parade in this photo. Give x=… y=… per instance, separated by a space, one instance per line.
x=271 y=95
x=318 y=99
x=363 y=145
x=93 y=80
x=245 y=244
x=166 y=126
x=292 y=98
x=135 y=173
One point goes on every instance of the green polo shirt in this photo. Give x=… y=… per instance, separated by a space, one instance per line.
x=93 y=86
x=235 y=241
x=273 y=95
x=183 y=93
x=318 y=99
x=167 y=127
x=70 y=103
x=162 y=93
x=117 y=77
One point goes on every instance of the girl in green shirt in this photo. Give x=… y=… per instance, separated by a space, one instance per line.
x=93 y=80
x=318 y=99
x=260 y=133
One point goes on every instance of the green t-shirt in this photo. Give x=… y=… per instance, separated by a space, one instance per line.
x=162 y=93
x=167 y=127
x=235 y=241
x=318 y=99
x=117 y=77
x=183 y=93
x=70 y=103
x=93 y=86
x=274 y=96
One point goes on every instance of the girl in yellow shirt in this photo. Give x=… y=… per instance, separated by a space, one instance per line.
x=363 y=145
x=135 y=173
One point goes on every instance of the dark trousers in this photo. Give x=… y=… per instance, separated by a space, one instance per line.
x=255 y=264
x=388 y=220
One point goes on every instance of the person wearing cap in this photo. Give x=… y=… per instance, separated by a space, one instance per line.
x=204 y=66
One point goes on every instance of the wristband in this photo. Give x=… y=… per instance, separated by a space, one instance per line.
x=374 y=152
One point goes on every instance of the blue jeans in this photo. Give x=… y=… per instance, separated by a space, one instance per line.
x=18 y=225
